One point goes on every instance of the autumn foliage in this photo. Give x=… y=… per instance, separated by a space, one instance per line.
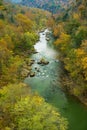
x=20 y=109
x=71 y=40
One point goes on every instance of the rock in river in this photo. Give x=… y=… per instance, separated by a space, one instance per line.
x=32 y=74
x=47 y=39
x=43 y=61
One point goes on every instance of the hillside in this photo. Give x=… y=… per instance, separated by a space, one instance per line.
x=21 y=109
x=70 y=31
x=21 y=105
x=52 y=6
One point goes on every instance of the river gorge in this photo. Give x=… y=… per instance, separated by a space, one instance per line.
x=47 y=83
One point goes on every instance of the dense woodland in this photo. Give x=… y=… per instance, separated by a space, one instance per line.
x=18 y=33
x=53 y=6
x=20 y=109
x=70 y=32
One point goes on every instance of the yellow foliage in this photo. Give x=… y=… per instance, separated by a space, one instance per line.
x=7 y=128
x=1 y=24
x=84 y=62
x=9 y=41
x=24 y=22
x=1 y=7
x=84 y=45
x=76 y=16
x=84 y=66
x=64 y=39
x=50 y=23
x=58 y=29
x=79 y=52
x=20 y=109
x=76 y=91
x=38 y=100
x=81 y=59
x=3 y=43
x=81 y=7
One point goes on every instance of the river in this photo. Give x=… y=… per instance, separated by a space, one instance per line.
x=47 y=83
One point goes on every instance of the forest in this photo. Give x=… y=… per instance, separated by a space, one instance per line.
x=20 y=108
x=54 y=6
x=70 y=32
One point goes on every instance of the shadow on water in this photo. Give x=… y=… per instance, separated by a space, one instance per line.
x=47 y=83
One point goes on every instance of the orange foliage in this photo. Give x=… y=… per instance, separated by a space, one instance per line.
x=57 y=30
x=50 y=23
x=24 y=22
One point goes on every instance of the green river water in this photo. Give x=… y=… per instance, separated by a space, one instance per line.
x=48 y=84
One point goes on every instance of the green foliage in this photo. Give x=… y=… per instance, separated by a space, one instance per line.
x=21 y=110
x=1 y=2
x=24 y=22
x=18 y=34
x=63 y=42
x=29 y=39
x=80 y=35
x=72 y=42
x=53 y=6
x=72 y=26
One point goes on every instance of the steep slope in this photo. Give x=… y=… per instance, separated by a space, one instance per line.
x=70 y=30
x=50 y=5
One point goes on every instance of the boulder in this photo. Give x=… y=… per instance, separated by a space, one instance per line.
x=35 y=52
x=38 y=70
x=32 y=74
x=47 y=33
x=47 y=38
x=41 y=31
x=43 y=62
x=25 y=72
x=30 y=62
x=26 y=67
x=39 y=62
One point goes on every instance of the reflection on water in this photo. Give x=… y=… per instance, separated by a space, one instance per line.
x=47 y=83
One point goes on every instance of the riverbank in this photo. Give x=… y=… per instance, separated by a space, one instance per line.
x=26 y=68
x=71 y=87
x=48 y=85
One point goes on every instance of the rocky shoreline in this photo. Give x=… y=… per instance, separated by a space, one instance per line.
x=68 y=85
x=26 y=69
